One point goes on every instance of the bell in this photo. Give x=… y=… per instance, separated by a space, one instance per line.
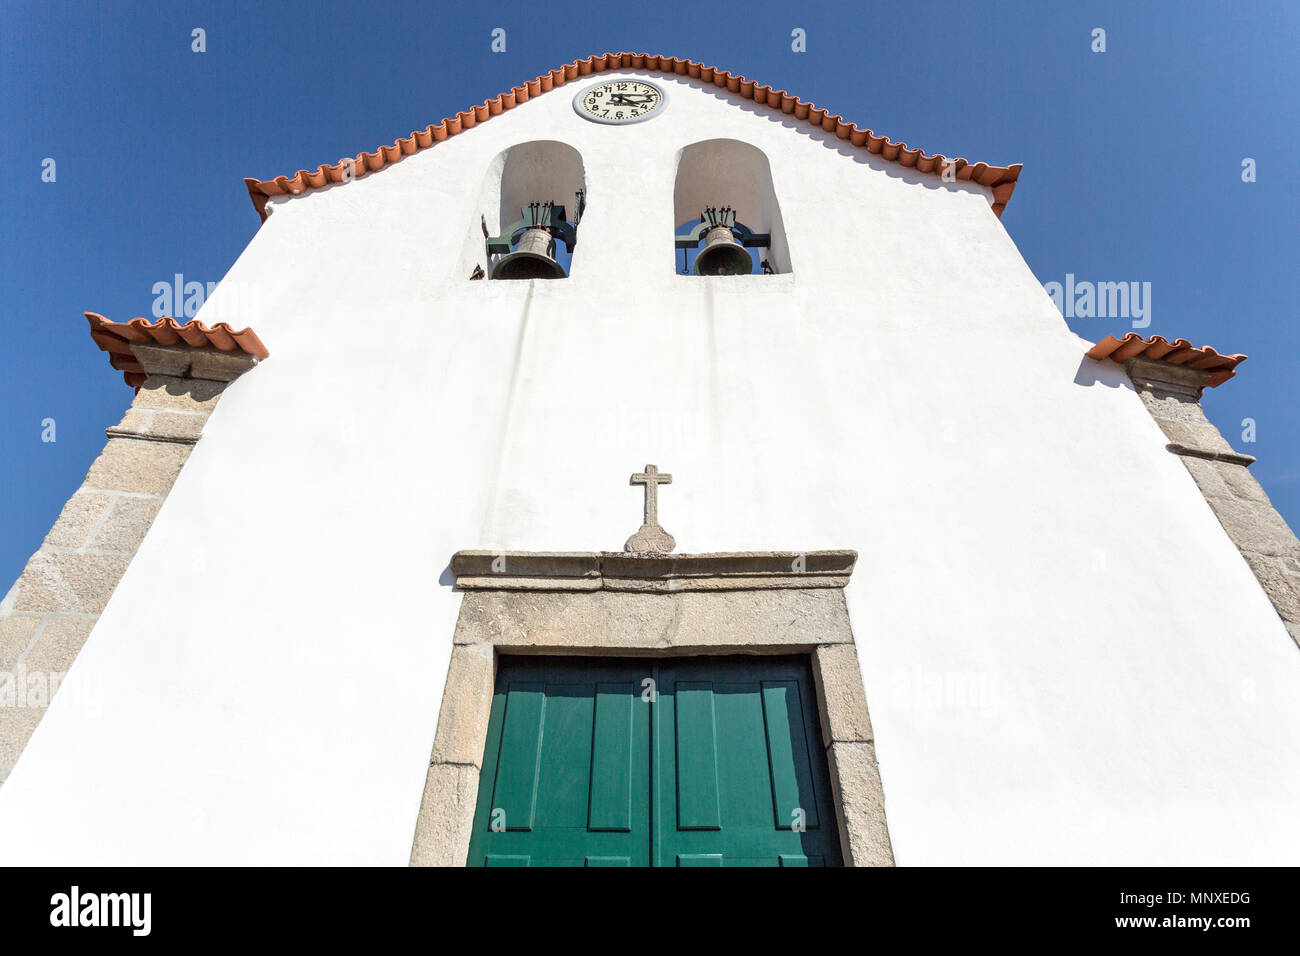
x=722 y=255
x=533 y=258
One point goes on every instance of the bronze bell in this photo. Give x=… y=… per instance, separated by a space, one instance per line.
x=533 y=258
x=722 y=255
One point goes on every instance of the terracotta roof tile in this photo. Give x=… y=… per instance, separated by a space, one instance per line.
x=115 y=338
x=1177 y=352
x=1002 y=179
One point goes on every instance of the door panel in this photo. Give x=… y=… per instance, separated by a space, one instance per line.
x=787 y=755
x=726 y=754
x=612 y=753
x=755 y=719
x=515 y=794
x=578 y=731
x=696 y=741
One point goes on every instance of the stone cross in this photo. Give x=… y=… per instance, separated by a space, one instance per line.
x=651 y=537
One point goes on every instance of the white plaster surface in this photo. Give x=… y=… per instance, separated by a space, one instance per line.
x=1066 y=659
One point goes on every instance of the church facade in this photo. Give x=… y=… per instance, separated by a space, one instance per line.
x=647 y=467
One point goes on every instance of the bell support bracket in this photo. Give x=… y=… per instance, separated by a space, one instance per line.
x=722 y=217
x=543 y=215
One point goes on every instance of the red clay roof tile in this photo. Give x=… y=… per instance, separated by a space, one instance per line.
x=115 y=338
x=1178 y=352
x=1002 y=179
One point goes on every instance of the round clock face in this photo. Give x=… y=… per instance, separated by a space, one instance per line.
x=620 y=102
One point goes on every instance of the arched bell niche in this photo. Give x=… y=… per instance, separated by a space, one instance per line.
x=720 y=174
x=518 y=178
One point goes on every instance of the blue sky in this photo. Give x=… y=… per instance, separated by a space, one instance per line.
x=1132 y=159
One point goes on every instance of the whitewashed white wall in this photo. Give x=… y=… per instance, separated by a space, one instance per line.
x=1066 y=659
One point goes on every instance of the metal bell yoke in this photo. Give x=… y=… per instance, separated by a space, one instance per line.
x=527 y=246
x=725 y=241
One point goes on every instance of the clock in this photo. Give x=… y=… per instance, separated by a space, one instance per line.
x=619 y=102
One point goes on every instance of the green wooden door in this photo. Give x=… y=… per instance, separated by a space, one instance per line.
x=710 y=761
x=741 y=776
x=566 y=769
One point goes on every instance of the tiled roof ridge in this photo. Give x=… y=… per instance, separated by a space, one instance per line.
x=1001 y=179
x=1178 y=352
x=115 y=338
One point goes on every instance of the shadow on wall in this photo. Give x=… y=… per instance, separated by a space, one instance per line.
x=856 y=153
x=1092 y=372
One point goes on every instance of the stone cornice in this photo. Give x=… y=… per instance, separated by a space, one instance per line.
x=1181 y=380
x=656 y=573
x=1232 y=457
x=186 y=361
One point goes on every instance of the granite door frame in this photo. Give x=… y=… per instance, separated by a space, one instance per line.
x=594 y=604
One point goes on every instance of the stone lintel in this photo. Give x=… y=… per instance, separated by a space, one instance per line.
x=614 y=623
x=620 y=571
